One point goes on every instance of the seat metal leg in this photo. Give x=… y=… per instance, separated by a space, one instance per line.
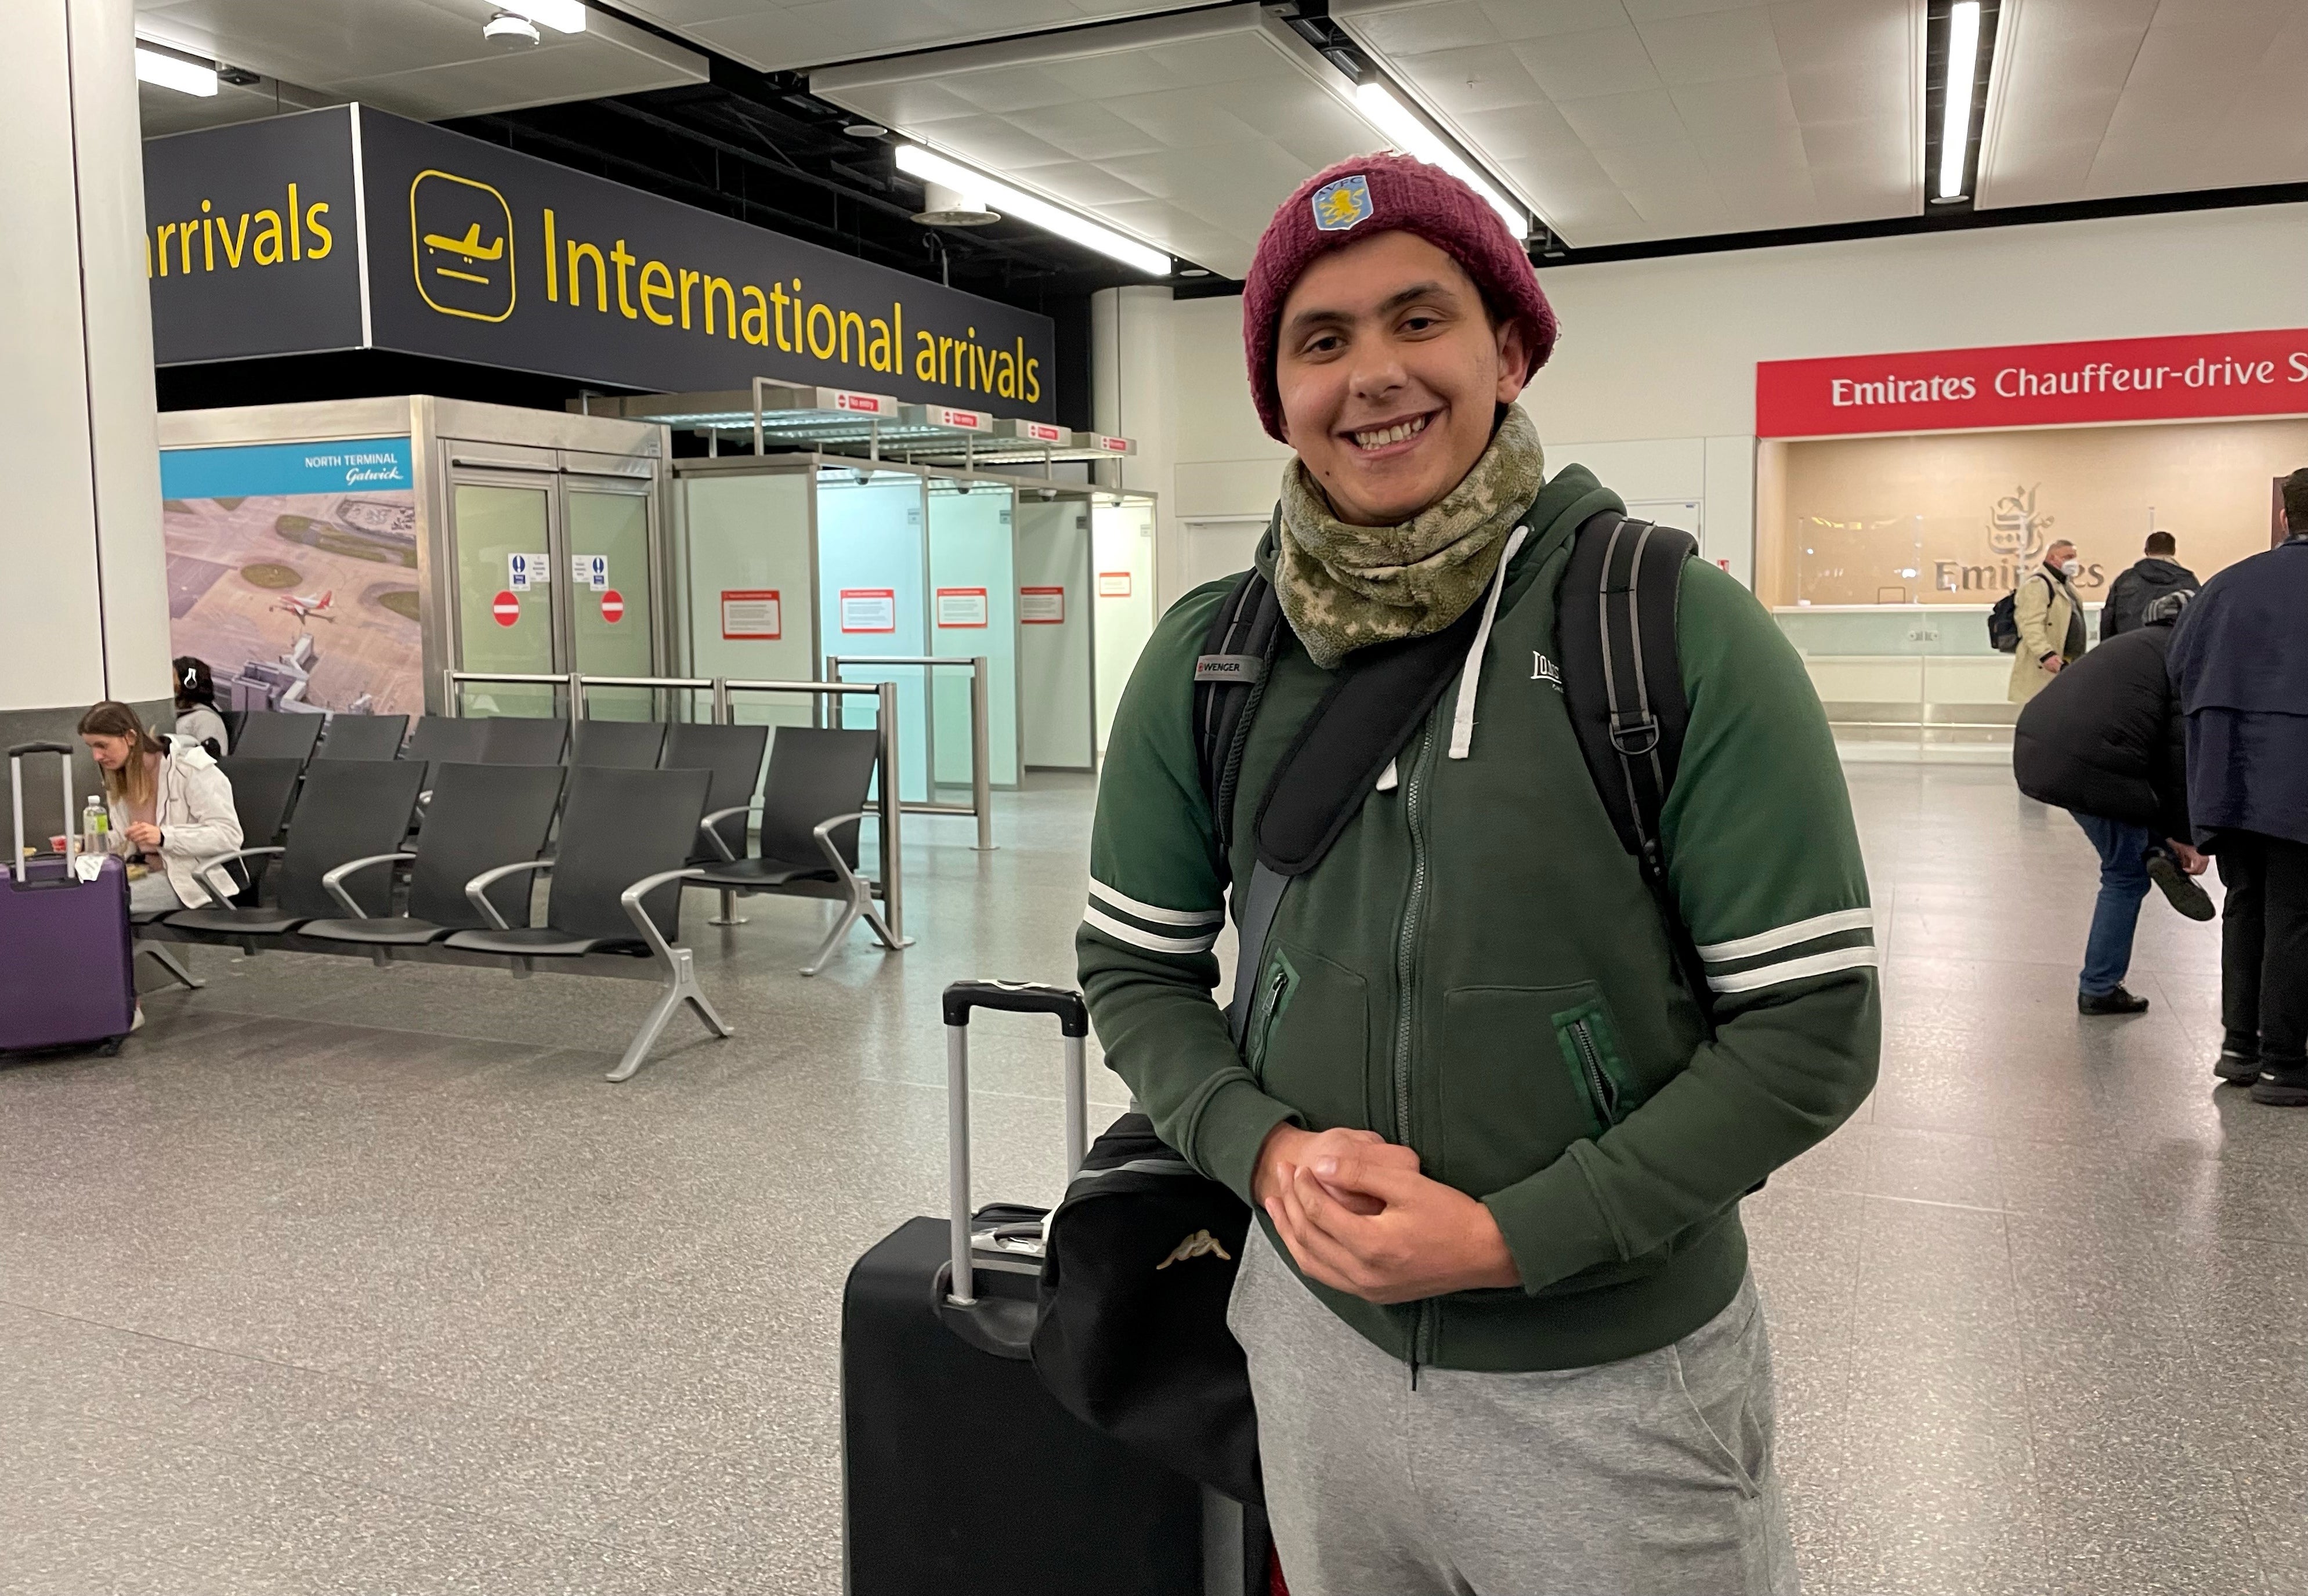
x=728 y=915
x=680 y=987
x=172 y=964
x=833 y=939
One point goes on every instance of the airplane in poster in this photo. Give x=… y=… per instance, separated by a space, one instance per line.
x=307 y=607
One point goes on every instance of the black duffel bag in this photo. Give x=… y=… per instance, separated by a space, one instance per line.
x=1130 y=1331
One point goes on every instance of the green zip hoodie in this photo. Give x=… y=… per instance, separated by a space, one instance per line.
x=1477 y=971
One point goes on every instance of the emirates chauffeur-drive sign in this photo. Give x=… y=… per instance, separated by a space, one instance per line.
x=474 y=253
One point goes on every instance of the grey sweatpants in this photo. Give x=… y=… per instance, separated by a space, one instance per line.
x=1650 y=1477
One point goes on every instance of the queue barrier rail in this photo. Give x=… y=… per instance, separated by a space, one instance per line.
x=981 y=747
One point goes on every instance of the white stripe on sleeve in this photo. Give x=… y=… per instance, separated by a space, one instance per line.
x=1148 y=912
x=1794 y=969
x=1768 y=942
x=1121 y=932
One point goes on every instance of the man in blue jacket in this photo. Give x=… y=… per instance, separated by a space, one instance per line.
x=2240 y=661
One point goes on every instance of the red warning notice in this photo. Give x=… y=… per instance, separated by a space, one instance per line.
x=505 y=607
x=613 y=605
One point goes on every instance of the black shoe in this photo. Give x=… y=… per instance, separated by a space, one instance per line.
x=2286 y=1087
x=2237 y=1069
x=2117 y=1001
x=2179 y=889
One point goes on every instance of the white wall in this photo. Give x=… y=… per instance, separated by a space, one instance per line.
x=84 y=577
x=1653 y=380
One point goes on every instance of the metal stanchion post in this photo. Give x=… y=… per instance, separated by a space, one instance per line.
x=981 y=756
x=885 y=699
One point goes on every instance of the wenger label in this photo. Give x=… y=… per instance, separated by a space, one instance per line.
x=2193 y=376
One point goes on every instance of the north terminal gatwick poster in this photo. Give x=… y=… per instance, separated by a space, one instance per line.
x=292 y=572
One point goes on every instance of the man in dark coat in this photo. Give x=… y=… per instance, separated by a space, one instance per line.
x=2131 y=592
x=2105 y=740
x=2240 y=661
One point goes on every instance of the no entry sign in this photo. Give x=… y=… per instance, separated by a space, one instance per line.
x=506 y=607
x=613 y=607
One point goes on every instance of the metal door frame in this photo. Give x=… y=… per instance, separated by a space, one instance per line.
x=536 y=478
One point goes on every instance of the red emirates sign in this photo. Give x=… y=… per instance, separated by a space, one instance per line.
x=2038 y=385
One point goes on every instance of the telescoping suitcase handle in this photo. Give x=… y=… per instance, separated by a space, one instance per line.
x=1030 y=997
x=16 y=804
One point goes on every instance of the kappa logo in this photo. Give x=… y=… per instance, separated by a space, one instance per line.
x=1543 y=669
x=1202 y=1243
x=1343 y=205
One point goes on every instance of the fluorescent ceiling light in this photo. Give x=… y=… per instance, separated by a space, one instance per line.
x=174 y=72
x=931 y=167
x=1962 y=81
x=1406 y=132
x=562 y=16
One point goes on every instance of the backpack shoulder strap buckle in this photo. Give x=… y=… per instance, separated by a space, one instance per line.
x=1634 y=735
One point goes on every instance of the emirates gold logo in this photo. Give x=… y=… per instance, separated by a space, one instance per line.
x=1202 y=1243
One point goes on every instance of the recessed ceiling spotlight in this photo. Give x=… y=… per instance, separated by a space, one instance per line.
x=509 y=32
x=1193 y=272
x=865 y=130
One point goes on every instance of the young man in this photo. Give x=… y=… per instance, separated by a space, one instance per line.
x=2240 y=661
x=1500 y=1326
x=2154 y=574
x=2107 y=742
x=2051 y=621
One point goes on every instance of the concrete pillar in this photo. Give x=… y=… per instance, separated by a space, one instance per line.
x=83 y=574
x=1133 y=378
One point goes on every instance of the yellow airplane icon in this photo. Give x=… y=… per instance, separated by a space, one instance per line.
x=470 y=247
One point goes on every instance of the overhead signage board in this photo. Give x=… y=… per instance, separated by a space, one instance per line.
x=2195 y=377
x=466 y=251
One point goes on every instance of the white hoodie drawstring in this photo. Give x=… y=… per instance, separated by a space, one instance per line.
x=1462 y=723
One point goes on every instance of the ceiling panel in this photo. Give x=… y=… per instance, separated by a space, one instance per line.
x=1628 y=120
x=771 y=35
x=1185 y=131
x=423 y=58
x=2095 y=99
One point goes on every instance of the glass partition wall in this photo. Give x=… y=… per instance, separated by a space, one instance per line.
x=784 y=560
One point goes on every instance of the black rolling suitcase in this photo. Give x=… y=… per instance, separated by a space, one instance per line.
x=961 y=1474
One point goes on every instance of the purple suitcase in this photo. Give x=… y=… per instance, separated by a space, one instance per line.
x=66 y=959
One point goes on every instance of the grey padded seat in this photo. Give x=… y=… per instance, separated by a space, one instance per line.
x=440 y=738
x=811 y=804
x=349 y=809
x=523 y=739
x=620 y=745
x=271 y=734
x=481 y=816
x=816 y=773
x=364 y=736
x=261 y=792
x=618 y=827
x=734 y=755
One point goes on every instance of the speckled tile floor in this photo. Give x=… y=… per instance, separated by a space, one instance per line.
x=350 y=1281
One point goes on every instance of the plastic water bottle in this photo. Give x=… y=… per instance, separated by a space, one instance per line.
x=95 y=821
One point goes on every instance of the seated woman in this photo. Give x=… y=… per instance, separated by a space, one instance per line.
x=168 y=801
x=197 y=716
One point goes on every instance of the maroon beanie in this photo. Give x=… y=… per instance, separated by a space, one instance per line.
x=1359 y=199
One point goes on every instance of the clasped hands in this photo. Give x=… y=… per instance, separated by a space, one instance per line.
x=1358 y=1217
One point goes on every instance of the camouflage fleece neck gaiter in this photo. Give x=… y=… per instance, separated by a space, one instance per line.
x=1347 y=587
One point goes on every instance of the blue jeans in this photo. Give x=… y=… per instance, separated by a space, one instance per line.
x=2122 y=883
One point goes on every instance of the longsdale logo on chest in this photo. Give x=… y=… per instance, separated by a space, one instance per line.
x=1543 y=669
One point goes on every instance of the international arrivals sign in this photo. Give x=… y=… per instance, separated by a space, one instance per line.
x=347 y=228
x=2194 y=376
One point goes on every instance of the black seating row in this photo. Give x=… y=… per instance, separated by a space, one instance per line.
x=627 y=844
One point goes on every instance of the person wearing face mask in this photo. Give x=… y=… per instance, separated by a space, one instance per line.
x=1500 y=1328
x=2051 y=621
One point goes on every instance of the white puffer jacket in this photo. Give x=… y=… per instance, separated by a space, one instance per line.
x=195 y=814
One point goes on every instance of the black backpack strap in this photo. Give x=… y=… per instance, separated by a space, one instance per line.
x=1623 y=683
x=1229 y=679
